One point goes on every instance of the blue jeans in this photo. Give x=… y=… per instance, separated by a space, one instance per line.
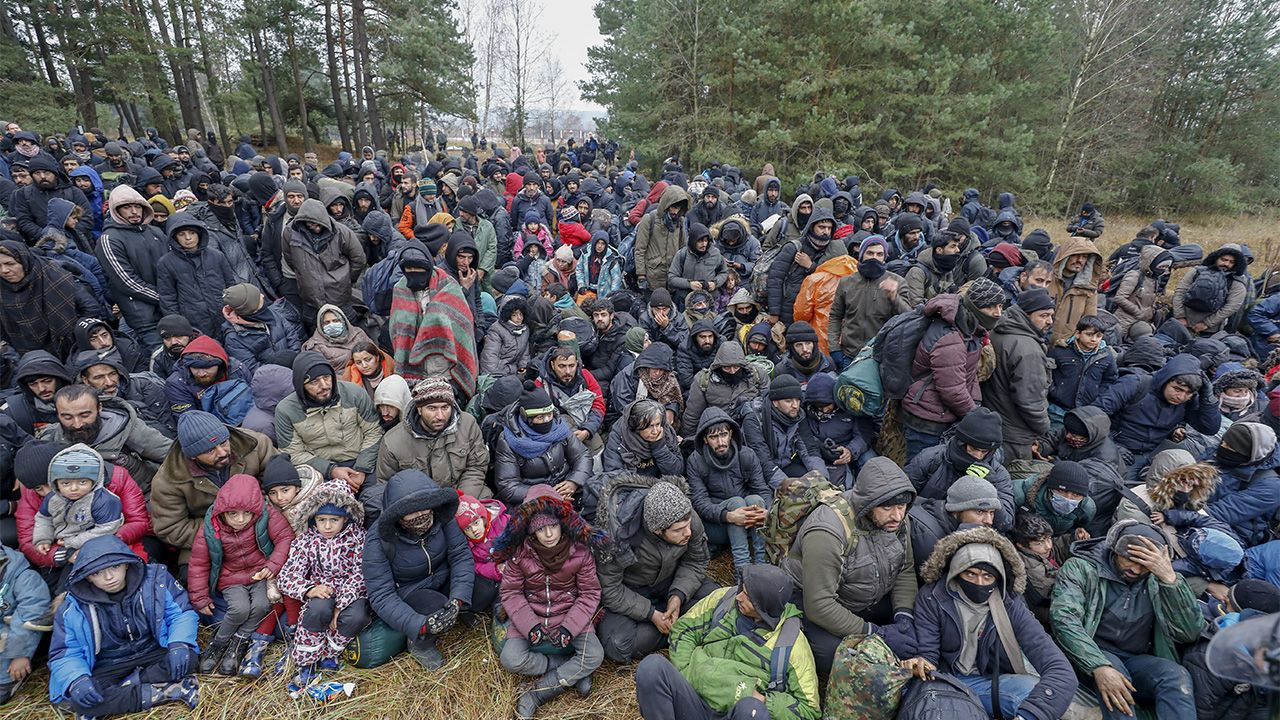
x=1154 y=679
x=1013 y=690
x=918 y=441
x=736 y=536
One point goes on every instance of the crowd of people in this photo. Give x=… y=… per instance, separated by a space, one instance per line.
x=949 y=458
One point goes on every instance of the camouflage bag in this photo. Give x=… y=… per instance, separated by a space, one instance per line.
x=866 y=681
x=792 y=503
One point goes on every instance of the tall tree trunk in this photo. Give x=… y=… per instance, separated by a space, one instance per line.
x=308 y=145
x=269 y=91
x=179 y=82
x=339 y=112
x=186 y=61
x=353 y=105
x=46 y=54
x=360 y=54
x=210 y=72
x=157 y=98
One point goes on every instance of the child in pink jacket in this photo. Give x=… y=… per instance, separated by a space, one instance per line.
x=482 y=521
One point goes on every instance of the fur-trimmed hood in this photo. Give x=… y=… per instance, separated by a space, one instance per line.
x=939 y=561
x=1162 y=484
x=330 y=493
x=543 y=498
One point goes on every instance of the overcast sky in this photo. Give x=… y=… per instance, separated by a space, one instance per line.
x=576 y=29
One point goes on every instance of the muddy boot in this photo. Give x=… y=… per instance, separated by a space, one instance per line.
x=424 y=651
x=212 y=654
x=545 y=689
x=230 y=664
x=251 y=666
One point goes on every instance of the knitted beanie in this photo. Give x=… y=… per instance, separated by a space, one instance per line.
x=433 y=389
x=278 y=472
x=785 y=387
x=971 y=493
x=535 y=400
x=1034 y=299
x=77 y=461
x=31 y=462
x=1255 y=594
x=981 y=428
x=664 y=506
x=1069 y=476
x=199 y=432
x=634 y=339
x=985 y=292
x=244 y=298
x=801 y=331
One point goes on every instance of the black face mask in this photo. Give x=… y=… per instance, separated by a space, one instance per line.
x=945 y=263
x=418 y=280
x=1230 y=458
x=1181 y=498
x=871 y=269
x=976 y=593
x=225 y=215
x=541 y=428
x=747 y=316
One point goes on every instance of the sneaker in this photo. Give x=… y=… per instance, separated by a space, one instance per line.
x=327 y=664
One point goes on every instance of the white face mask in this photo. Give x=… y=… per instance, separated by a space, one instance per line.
x=333 y=329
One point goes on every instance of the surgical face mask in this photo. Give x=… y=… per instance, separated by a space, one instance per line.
x=1062 y=505
x=333 y=329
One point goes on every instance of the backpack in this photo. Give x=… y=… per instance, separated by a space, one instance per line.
x=894 y=349
x=378 y=281
x=375 y=645
x=866 y=681
x=759 y=281
x=792 y=503
x=942 y=697
x=859 y=389
x=1207 y=292
x=230 y=400
x=986 y=217
x=780 y=657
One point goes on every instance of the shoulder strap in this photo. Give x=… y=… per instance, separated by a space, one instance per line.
x=722 y=607
x=780 y=659
x=1132 y=497
x=1004 y=630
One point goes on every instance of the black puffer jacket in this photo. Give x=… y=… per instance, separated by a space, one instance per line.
x=610 y=345
x=712 y=481
x=227 y=240
x=514 y=474
x=191 y=283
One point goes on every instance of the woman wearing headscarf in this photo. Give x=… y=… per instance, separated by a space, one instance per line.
x=39 y=302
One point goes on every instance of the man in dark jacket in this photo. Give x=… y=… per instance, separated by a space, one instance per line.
x=1086 y=439
x=29 y=205
x=971 y=210
x=1208 y=315
x=971 y=450
x=797 y=260
x=1119 y=611
x=219 y=217
x=257 y=333
x=728 y=488
x=106 y=374
x=769 y=204
x=611 y=333
x=660 y=569
x=203 y=364
x=39 y=376
x=772 y=426
x=278 y=211
x=326 y=258
x=841 y=440
x=662 y=322
x=129 y=250
x=657 y=357
x=852 y=562
x=805 y=359
x=1018 y=386
x=971 y=501
x=696 y=352
x=537 y=447
x=418 y=564
x=1148 y=410
x=1090 y=223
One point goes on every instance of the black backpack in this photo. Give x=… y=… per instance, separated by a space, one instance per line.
x=986 y=217
x=942 y=697
x=1207 y=292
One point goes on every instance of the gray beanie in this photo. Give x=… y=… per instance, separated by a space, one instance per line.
x=971 y=493
x=664 y=506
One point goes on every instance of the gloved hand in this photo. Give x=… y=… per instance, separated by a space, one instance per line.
x=441 y=620
x=560 y=637
x=643 y=284
x=60 y=556
x=84 y=693
x=181 y=655
x=537 y=635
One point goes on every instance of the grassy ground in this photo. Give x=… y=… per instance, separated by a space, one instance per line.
x=473 y=685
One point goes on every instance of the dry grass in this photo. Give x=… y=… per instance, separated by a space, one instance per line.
x=473 y=685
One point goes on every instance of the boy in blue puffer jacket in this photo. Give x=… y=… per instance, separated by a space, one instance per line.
x=1085 y=369
x=124 y=640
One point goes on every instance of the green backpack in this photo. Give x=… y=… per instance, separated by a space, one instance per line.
x=866 y=681
x=792 y=503
x=375 y=645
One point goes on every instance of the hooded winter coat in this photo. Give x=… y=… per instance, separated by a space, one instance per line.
x=506 y=346
x=183 y=491
x=130 y=256
x=840 y=575
x=655 y=244
x=182 y=390
x=1139 y=289
x=933 y=470
x=786 y=276
x=344 y=429
x=327 y=263
x=688 y=265
x=690 y=357
x=337 y=350
x=516 y=468
x=813 y=304
x=456 y=458
x=925 y=280
x=625 y=450
x=271 y=384
x=25 y=598
x=1141 y=418
x=228 y=241
x=397 y=564
x=763 y=209
x=944 y=371
x=858 y=309
x=712 y=480
x=271 y=332
x=1249 y=494
x=608 y=278
x=1101 y=458
x=150 y=614
x=1237 y=291
x=29 y=205
x=742 y=254
x=29 y=412
x=124 y=439
x=1018 y=388
x=710 y=389
x=191 y=282
x=1077 y=295
x=240 y=556
x=939 y=623
x=1079 y=599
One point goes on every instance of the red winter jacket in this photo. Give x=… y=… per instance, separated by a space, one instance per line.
x=137 y=521
x=532 y=596
x=241 y=556
x=655 y=194
x=944 y=370
x=574 y=234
